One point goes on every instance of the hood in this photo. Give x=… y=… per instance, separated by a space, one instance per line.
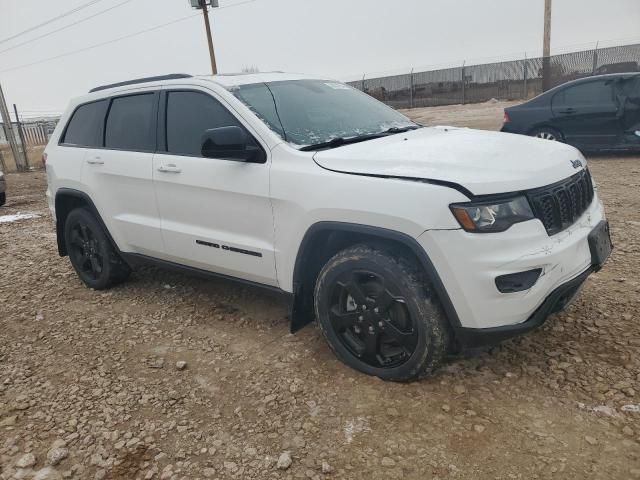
x=480 y=161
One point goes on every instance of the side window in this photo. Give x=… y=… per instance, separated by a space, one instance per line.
x=189 y=116
x=85 y=126
x=590 y=93
x=130 y=124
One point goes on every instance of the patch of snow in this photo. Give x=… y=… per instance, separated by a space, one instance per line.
x=16 y=217
x=631 y=408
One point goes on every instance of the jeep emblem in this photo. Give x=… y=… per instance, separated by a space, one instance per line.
x=576 y=163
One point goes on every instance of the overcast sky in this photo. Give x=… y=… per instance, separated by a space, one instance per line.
x=336 y=38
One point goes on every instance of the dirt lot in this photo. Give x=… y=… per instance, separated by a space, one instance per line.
x=89 y=383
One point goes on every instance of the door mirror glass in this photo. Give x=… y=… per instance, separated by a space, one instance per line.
x=230 y=143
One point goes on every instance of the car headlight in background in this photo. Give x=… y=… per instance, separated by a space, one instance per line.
x=492 y=216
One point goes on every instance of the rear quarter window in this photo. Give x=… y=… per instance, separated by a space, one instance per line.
x=84 y=128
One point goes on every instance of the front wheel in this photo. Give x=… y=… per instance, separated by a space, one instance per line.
x=378 y=314
x=91 y=253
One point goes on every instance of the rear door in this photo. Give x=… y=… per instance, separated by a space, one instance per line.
x=587 y=114
x=119 y=173
x=216 y=212
x=82 y=132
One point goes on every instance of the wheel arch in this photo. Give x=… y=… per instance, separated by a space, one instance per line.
x=324 y=239
x=66 y=200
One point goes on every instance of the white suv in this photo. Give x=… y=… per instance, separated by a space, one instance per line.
x=404 y=242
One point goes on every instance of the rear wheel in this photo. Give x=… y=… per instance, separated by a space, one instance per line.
x=547 y=133
x=378 y=315
x=91 y=253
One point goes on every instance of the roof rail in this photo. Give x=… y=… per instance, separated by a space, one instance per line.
x=171 y=76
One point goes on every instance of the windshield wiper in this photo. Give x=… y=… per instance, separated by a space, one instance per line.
x=339 y=141
x=402 y=129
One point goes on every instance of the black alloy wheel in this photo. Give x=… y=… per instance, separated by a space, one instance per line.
x=91 y=253
x=377 y=312
x=371 y=319
x=85 y=251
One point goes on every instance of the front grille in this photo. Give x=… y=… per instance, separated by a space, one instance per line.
x=558 y=206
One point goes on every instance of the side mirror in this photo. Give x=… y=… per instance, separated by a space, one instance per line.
x=231 y=143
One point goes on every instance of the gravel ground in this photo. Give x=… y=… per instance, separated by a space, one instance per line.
x=171 y=377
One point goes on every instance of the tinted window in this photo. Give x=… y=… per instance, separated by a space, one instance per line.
x=189 y=116
x=130 y=123
x=85 y=125
x=590 y=93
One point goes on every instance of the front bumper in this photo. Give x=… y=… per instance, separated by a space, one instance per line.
x=557 y=301
x=469 y=263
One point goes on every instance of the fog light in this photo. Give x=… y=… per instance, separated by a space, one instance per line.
x=517 y=282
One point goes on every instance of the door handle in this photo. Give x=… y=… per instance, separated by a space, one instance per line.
x=95 y=161
x=170 y=168
x=568 y=111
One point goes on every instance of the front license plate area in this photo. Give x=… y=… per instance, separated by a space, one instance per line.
x=600 y=244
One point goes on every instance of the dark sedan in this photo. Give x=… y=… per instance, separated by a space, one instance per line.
x=594 y=113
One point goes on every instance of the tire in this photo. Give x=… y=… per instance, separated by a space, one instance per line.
x=547 y=133
x=91 y=253
x=378 y=314
x=3 y=198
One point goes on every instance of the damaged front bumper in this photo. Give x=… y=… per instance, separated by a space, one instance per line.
x=468 y=265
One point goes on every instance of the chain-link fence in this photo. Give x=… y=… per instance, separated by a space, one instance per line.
x=512 y=80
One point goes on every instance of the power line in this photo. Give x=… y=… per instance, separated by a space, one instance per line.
x=51 y=20
x=124 y=37
x=65 y=27
x=101 y=44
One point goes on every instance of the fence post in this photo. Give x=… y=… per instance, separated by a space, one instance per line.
x=464 y=93
x=595 y=59
x=526 y=66
x=362 y=82
x=22 y=139
x=10 y=134
x=411 y=104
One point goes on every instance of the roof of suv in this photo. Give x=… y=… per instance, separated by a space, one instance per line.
x=225 y=80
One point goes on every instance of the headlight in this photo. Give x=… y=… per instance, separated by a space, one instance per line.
x=492 y=216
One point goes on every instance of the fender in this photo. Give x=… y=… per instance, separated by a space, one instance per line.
x=302 y=307
x=85 y=199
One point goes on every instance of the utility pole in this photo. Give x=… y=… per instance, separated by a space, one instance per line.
x=202 y=5
x=21 y=135
x=546 y=47
x=8 y=130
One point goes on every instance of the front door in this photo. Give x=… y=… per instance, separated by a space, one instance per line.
x=587 y=114
x=215 y=212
